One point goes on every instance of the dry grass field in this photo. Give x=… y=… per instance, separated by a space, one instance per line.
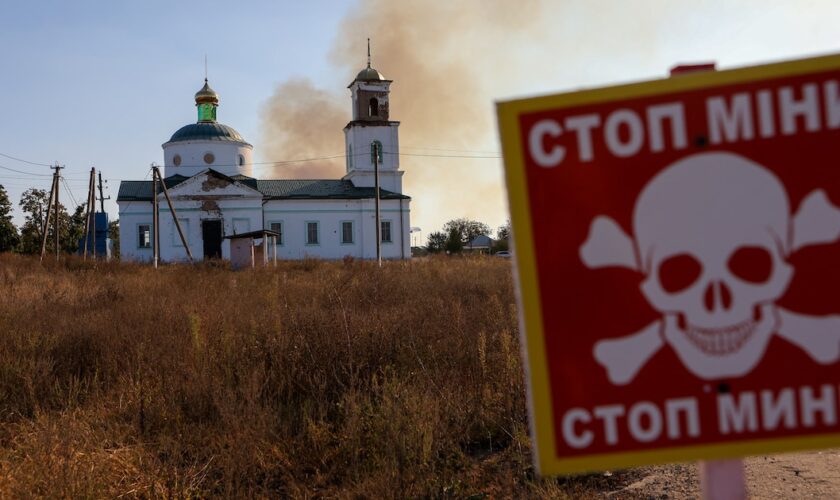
x=314 y=379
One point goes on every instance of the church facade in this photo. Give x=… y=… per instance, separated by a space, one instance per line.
x=209 y=174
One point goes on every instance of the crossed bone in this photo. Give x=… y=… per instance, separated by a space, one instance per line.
x=817 y=222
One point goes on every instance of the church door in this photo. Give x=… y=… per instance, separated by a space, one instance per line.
x=211 y=233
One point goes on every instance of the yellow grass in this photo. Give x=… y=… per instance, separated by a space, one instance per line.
x=314 y=379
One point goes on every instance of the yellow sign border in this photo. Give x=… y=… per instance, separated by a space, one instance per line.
x=531 y=327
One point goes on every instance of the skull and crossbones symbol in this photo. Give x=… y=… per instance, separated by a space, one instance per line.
x=712 y=234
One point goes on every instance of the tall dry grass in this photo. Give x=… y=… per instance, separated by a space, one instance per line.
x=313 y=379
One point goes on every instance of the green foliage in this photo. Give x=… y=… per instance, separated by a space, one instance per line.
x=436 y=242
x=503 y=233
x=9 y=237
x=502 y=242
x=465 y=230
x=34 y=203
x=454 y=241
x=114 y=234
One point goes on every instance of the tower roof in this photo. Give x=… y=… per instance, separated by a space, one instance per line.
x=206 y=95
x=369 y=74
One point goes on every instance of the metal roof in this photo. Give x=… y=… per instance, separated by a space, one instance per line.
x=369 y=74
x=206 y=131
x=279 y=189
x=262 y=233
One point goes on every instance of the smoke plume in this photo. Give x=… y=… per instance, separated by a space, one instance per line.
x=438 y=55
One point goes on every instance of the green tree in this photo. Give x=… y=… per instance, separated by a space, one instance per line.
x=9 y=237
x=502 y=238
x=34 y=203
x=75 y=230
x=454 y=243
x=114 y=234
x=465 y=229
x=436 y=242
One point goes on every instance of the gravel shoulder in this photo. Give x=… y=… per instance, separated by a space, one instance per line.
x=795 y=475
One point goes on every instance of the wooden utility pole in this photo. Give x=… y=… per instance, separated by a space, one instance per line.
x=90 y=219
x=48 y=215
x=378 y=216
x=92 y=205
x=102 y=197
x=155 y=218
x=57 y=213
x=156 y=173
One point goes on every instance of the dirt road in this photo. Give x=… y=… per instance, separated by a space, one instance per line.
x=798 y=475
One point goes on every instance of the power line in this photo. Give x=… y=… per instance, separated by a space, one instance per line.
x=23 y=172
x=70 y=192
x=452 y=150
x=444 y=156
x=274 y=163
x=25 y=161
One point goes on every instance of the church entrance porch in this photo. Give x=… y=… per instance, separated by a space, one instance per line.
x=211 y=234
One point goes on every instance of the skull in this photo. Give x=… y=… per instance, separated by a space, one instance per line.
x=712 y=234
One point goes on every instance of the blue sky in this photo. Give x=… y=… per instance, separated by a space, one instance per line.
x=105 y=83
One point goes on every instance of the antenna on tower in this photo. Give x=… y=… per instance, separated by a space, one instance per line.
x=368 y=52
x=205 y=68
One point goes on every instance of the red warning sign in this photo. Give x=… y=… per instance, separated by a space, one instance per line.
x=678 y=261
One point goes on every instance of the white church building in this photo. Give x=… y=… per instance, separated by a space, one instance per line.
x=208 y=171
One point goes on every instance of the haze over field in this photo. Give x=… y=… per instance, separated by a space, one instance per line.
x=122 y=78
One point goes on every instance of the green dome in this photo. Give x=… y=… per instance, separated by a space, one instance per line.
x=369 y=74
x=206 y=131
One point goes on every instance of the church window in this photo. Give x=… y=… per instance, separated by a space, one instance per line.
x=312 y=233
x=350 y=155
x=347 y=232
x=144 y=236
x=277 y=227
x=185 y=228
x=209 y=158
x=376 y=147
x=241 y=160
x=386 y=231
x=373 y=109
x=177 y=160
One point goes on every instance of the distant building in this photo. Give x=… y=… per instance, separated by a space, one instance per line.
x=209 y=171
x=481 y=243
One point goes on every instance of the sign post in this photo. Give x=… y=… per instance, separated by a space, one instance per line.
x=676 y=246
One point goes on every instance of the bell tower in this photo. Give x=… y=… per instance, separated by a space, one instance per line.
x=372 y=130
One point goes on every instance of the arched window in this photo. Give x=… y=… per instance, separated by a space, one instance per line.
x=350 y=155
x=373 y=109
x=375 y=147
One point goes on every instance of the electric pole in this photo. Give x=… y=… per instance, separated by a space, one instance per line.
x=155 y=218
x=101 y=196
x=52 y=206
x=90 y=220
x=57 y=213
x=158 y=178
x=48 y=215
x=378 y=217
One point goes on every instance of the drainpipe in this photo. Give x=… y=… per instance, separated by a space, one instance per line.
x=402 y=232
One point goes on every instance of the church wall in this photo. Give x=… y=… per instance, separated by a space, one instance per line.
x=132 y=214
x=330 y=214
x=360 y=136
x=226 y=158
x=251 y=215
